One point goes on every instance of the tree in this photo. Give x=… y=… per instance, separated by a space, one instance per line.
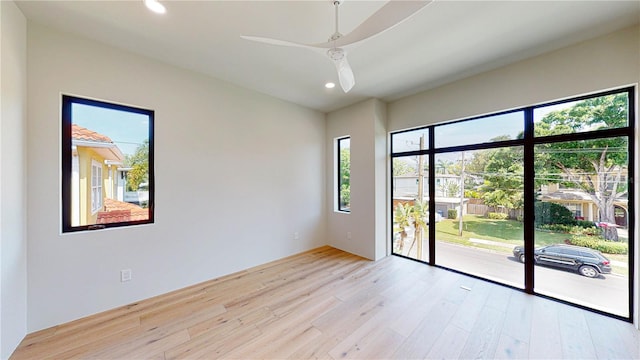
x=552 y=213
x=594 y=166
x=450 y=188
x=345 y=177
x=139 y=164
x=402 y=220
x=419 y=214
x=443 y=166
x=503 y=186
x=480 y=158
x=401 y=167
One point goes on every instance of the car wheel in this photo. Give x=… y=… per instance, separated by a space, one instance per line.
x=521 y=258
x=588 y=271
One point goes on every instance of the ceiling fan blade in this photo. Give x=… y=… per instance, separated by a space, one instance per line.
x=345 y=74
x=388 y=16
x=271 y=41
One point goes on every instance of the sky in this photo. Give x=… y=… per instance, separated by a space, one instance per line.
x=473 y=131
x=127 y=130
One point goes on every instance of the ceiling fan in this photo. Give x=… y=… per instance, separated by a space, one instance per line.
x=389 y=15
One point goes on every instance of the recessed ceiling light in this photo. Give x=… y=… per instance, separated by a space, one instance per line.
x=155 y=6
x=330 y=85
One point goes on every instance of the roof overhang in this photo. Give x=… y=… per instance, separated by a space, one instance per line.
x=109 y=151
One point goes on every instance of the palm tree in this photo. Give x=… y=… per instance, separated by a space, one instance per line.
x=401 y=220
x=443 y=166
x=419 y=215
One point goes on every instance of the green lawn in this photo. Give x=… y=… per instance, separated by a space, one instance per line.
x=505 y=231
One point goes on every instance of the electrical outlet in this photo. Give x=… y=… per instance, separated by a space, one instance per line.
x=348 y=235
x=296 y=236
x=125 y=275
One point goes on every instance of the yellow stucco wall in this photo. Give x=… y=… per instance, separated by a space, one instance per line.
x=85 y=158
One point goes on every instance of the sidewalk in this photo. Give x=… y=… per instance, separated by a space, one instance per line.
x=501 y=244
x=489 y=242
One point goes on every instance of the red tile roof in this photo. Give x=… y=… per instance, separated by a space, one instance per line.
x=80 y=133
x=118 y=211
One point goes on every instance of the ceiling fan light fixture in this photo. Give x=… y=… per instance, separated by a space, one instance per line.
x=336 y=54
x=155 y=6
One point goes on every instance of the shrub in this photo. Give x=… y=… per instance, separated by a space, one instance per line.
x=551 y=213
x=592 y=231
x=556 y=228
x=472 y=194
x=452 y=214
x=585 y=224
x=598 y=243
x=497 y=216
x=572 y=229
x=586 y=241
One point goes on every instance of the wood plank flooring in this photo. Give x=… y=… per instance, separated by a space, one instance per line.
x=328 y=304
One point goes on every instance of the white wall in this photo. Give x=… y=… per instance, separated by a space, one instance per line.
x=606 y=62
x=13 y=236
x=602 y=63
x=237 y=173
x=365 y=122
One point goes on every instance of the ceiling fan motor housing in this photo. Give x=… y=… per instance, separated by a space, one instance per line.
x=336 y=54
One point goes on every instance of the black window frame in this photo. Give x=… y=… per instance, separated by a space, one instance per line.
x=339 y=207
x=67 y=102
x=528 y=142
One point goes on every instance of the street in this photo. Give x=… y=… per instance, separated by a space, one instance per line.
x=606 y=293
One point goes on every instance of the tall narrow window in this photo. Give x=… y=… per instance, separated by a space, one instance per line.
x=344 y=174
x=107 y=165
x=96 y=186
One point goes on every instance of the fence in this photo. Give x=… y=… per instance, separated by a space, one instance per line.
x=482 y=209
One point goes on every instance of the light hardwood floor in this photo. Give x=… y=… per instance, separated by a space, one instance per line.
x=329 y=304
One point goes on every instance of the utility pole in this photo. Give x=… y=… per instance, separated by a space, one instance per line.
x=461 y=197
x=420 y=197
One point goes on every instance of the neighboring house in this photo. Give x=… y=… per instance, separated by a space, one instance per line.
x=97 y=179
x=447 y=185
x=405 y=190
x=581 y=204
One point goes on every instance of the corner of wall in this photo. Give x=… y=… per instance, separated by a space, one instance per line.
x=13 y=241
x=381 y=193
x=363 y=231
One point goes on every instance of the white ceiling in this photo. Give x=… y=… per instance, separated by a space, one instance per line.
x=443 y=42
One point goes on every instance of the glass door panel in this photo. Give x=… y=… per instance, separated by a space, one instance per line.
x=581 y=237
x=411 y=207
x=478 y=202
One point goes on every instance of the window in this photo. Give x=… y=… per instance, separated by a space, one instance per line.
x=107 y=165
x=344 y=174
x=96 y=186
x=576 y=116
x=410 y=140
x=506 y=188
x=486 y=129
x=576 y=210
